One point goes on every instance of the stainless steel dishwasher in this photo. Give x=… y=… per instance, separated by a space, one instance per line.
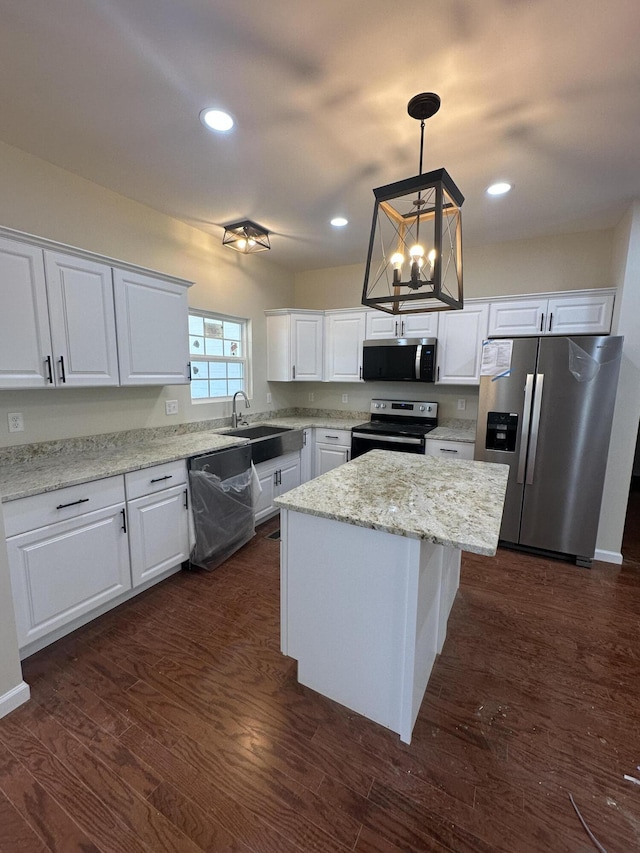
x=221 y=503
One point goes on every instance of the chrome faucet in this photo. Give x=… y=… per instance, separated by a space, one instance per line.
x=235 y=419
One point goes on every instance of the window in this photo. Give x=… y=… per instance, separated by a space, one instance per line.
x=219 y=357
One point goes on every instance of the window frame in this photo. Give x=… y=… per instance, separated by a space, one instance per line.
x=245 y=324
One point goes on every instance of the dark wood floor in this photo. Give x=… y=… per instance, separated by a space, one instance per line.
x=174 y=724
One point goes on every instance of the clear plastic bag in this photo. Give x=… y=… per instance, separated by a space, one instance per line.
x=222 y=516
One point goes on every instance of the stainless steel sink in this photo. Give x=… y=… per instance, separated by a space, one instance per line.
x=267 y=442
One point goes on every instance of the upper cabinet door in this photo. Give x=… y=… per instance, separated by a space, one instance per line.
x=580 y=314
x=382 y=325
x=83 y=325
x=460 y=339
x=25 y=344
x=518 y=317
x=306 y=346
x=295 y=346
x=152 y=317
x=344 y=335
x=577 y=313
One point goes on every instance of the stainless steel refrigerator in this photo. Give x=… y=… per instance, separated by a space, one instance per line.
x=545 y=409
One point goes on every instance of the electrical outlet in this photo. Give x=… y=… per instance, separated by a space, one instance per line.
x=268 y=397
x=462 y=404
x=345 y=398
x=171 y=407
x=16 y=422
x=312 y=396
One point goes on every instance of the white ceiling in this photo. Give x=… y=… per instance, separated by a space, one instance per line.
x=542 y=93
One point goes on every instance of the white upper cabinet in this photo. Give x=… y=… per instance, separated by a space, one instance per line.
x=83 y=324
x=344 y=336
x=294 y=346
x=61 y=325
x=581 y=314
x=152 y=317
x=25 y=341
x=383 y=325
x=577 y=313
x=460 y=336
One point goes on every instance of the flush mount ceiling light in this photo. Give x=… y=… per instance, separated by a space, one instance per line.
x=216 y=120
x=247 y=237
x=414 y=262
x=339 y=221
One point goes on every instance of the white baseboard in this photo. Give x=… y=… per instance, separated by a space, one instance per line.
x=14 y=698
x=608 y=556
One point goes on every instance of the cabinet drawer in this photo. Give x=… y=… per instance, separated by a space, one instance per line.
x=59 y=505
x=449 y=449
x=150 y=480
x=333 y=436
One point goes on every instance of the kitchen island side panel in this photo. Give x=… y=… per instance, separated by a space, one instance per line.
x=361 y=612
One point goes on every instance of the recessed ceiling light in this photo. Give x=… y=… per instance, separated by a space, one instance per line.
x=500 y=188
x=216 y=120
x=339 y=221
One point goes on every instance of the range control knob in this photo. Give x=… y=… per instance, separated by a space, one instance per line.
x=383 y=405
x=376 y=405
x=422 y=408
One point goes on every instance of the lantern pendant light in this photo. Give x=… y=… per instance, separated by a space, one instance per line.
x=414 y=262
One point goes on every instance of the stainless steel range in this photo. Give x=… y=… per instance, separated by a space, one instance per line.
x=400 y=425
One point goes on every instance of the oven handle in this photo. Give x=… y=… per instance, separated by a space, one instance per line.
x=391 y=439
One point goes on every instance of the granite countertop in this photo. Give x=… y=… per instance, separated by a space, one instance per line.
x=46 y=473
x=455 y=430
x=457 y=503
x=47 y=466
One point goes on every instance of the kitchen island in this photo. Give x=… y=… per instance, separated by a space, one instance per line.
x=370 y=566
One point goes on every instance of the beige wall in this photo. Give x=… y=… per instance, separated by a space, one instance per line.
x=41 y=199
x=540 y=265
x=627 y=411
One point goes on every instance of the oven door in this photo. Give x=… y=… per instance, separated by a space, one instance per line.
x=362 y=441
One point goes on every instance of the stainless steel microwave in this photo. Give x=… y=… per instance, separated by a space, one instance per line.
x=399 y=360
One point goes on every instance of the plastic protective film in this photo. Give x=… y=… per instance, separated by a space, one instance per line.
x=584 y=366
x=222 y=516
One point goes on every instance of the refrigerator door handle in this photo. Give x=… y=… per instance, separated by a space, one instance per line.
x=524 y=433
x=535 y=423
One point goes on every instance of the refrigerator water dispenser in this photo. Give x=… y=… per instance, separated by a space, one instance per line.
x=502 y=431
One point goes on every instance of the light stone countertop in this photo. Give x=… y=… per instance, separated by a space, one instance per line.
x=455 y=430
x=56 y=471
x=456 y=503
x=76 y=461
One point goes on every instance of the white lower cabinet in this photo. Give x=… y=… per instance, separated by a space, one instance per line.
x=306 y=456
x=449 y=449
x=65 y=569
x=276 y=477
x=158 y=511
x=332 y=448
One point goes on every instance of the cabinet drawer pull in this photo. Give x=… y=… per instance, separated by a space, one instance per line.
x=124 y=520
x=160 y=479
x=63 y=376
x=332 y=436
x=447 y=450
x=49 y=371
x=73 y=503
